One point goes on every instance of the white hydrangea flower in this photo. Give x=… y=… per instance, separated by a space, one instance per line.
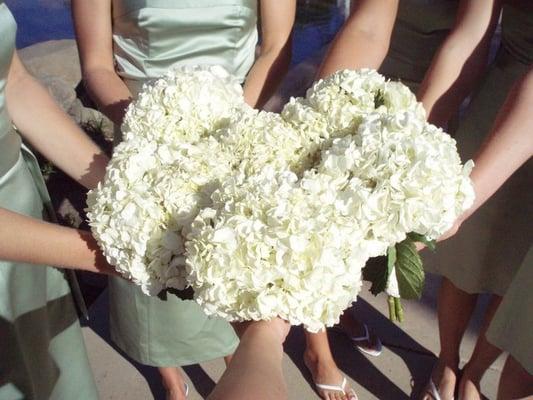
x=185 y=105
x=403 y=175
x=271 y=246
x=163 y=173
x=149 y=194
x=260 y=139
x=336 y=106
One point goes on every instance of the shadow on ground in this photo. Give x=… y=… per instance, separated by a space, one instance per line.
x=360 y=367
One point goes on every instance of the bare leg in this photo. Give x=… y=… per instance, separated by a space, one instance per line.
x=255 y=371
x=173 y=383
x=455 y=308
x=319 y=361
x=482 y=358
x=515 y=382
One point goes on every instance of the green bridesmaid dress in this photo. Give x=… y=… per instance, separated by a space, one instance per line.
x=419 y=30
x=42 y=354
x=491 y=245
x=151 y=36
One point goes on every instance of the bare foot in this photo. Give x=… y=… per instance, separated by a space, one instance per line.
x=178 y=394
x=469 y=385
x=444 y=377
x=325 y=372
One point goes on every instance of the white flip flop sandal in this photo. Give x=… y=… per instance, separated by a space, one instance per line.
x=432 y=390
x=366 y=337
x=376 y=351
x=333 y=388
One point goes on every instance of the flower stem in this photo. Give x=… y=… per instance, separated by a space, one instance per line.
x=395 y=309
x=392 y=309
x=398 y=309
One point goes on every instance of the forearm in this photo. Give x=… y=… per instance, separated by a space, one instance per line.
x=93 y=24
x=509 y=145
x=29 y=240
x=109 y=92
x=53 y=133
x=266 y=75
x=362 y=43
x=507 y=148
x=451 y=77
x=460 y=61
x=354 y=49
x=255 y=371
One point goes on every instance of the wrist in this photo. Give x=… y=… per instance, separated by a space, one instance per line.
x=94 y=260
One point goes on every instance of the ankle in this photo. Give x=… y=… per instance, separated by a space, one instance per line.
x=448 y=362
x=444 y=374
x=318 y=358
x=172 y=379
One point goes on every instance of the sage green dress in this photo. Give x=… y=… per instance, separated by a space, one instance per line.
x=42 y=354
x=510 y=329
x=151 y=36
x=486 y=253
x=419 y=30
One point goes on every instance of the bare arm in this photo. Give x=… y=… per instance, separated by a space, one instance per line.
x=363 y=41
x=509 y=145
x=46 y=127
x=460 y=60
x=93 y=25
x=277 y=19
x=42 y=123
x=30 y=240
x=255 y=372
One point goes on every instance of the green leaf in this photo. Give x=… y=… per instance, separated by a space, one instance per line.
x=417 y=237
x=409 y=270
x=376 y=272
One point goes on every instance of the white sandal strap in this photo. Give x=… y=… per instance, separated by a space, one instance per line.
x=432 y=389
x=333 y=388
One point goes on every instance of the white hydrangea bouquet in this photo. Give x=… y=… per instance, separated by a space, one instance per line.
x=407 y=178
x=163 y=173
x=267 y=215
